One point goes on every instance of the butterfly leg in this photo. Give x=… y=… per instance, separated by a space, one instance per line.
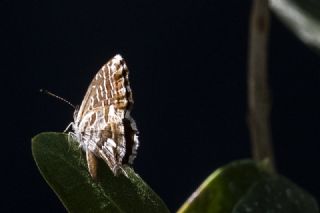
x=92 y=163
x=68 y=127
x=91 y=141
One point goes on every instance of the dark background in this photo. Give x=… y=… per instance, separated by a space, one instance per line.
x=188 y=73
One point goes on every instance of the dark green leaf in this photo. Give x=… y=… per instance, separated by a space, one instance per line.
x=302 y=17
x=276 y=195
x=224 y=188
x=63 y=166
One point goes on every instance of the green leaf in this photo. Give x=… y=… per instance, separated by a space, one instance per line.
x=64 y=167
x=302 y=17
x=245 y=187
x=276 y=195
x=224 y=188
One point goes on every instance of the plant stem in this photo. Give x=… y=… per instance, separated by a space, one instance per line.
x=258 y=92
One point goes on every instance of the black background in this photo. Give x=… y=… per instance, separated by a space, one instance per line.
x=187 y=62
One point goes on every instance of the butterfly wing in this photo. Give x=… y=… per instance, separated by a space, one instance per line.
x=103 y=123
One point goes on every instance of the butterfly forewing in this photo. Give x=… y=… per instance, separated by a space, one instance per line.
x=103 y=125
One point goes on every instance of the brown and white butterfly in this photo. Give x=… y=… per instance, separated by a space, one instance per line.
x=103 y=125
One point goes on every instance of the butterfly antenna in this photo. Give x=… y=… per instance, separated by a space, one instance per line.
x=58 y=97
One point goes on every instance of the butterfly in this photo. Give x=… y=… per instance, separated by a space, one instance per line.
x=103 y=125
